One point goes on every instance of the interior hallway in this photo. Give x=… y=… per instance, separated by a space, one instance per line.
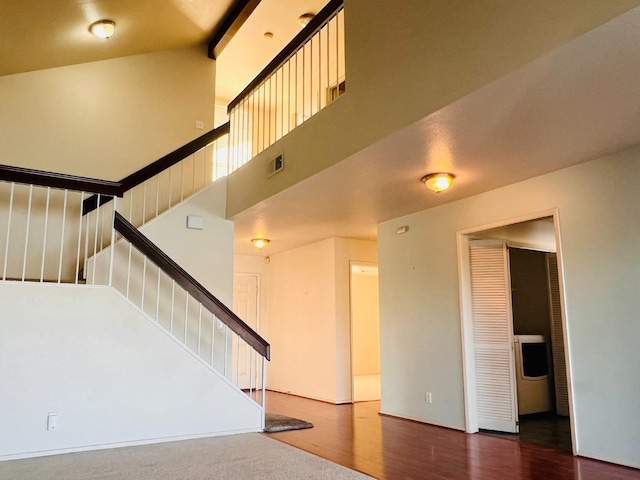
x=390 y=448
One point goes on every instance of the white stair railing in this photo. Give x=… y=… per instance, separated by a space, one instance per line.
x=48 y=239
x=185 y=310
x=172 y=179
x=175 y=184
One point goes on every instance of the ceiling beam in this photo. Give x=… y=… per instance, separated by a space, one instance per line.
x=230 y=25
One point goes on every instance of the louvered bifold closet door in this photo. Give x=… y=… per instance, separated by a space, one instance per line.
x=557 y=337
x=493 y=336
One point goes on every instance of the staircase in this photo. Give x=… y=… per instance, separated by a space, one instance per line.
x=60 y=233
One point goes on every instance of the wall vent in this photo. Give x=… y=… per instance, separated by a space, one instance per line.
x=275 y=165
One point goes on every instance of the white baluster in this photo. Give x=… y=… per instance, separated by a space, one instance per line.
x=26 y=236
x=6 y=246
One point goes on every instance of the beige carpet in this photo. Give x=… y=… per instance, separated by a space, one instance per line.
x=235 y=457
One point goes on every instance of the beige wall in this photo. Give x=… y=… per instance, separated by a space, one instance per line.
x=425 y=55
x=106 y=119
x=420 y=310
x=309 y=319
x=302 y=326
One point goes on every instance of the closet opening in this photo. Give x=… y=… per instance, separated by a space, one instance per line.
x=514 y=334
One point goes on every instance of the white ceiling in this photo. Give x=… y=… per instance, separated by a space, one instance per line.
x=574 y=104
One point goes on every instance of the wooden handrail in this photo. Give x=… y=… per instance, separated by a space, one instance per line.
x=63 y=181
x=172 y=158
x=153 y=169
x=191 y=285
x=299 y=40
x=107 y=189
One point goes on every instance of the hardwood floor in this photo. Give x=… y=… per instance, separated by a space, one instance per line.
x=544 y=429
x=391 y=448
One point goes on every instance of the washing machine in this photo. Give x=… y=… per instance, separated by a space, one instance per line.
x=533 y=373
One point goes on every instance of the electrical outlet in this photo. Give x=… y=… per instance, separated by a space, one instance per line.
x=199 y=124
x=52 y=422
x=427 y=397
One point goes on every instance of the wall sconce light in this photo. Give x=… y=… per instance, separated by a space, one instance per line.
x=438 y=182
x=103 y=28
x=260 y=243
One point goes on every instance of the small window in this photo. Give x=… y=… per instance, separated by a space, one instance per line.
x=336 y=91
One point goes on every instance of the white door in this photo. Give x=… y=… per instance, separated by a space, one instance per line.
x=493 y=336
x=245 y=305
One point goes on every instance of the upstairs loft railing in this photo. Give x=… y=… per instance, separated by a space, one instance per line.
x=304 y=78
x=44 y=236
x=48 y=239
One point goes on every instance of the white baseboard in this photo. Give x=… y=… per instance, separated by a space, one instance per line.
x=422 y=420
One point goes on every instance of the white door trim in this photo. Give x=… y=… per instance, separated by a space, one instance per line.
x=464 y=285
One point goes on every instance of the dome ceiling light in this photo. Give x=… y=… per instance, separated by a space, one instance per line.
x=439 y=181
x=260 y=243
x=103 y=28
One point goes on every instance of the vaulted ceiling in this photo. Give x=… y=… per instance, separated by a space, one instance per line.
x=576 y=103
x=36 y=35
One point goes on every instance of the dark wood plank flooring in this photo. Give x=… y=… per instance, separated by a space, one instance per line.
x=391 y=448
x=546 y=429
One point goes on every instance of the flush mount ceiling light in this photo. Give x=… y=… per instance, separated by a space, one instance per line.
x=260 y=243
x=103 y=28
x=305 y=18
x=438 y=182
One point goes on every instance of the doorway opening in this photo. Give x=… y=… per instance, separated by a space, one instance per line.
x=365 y=332
x=517 y=380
